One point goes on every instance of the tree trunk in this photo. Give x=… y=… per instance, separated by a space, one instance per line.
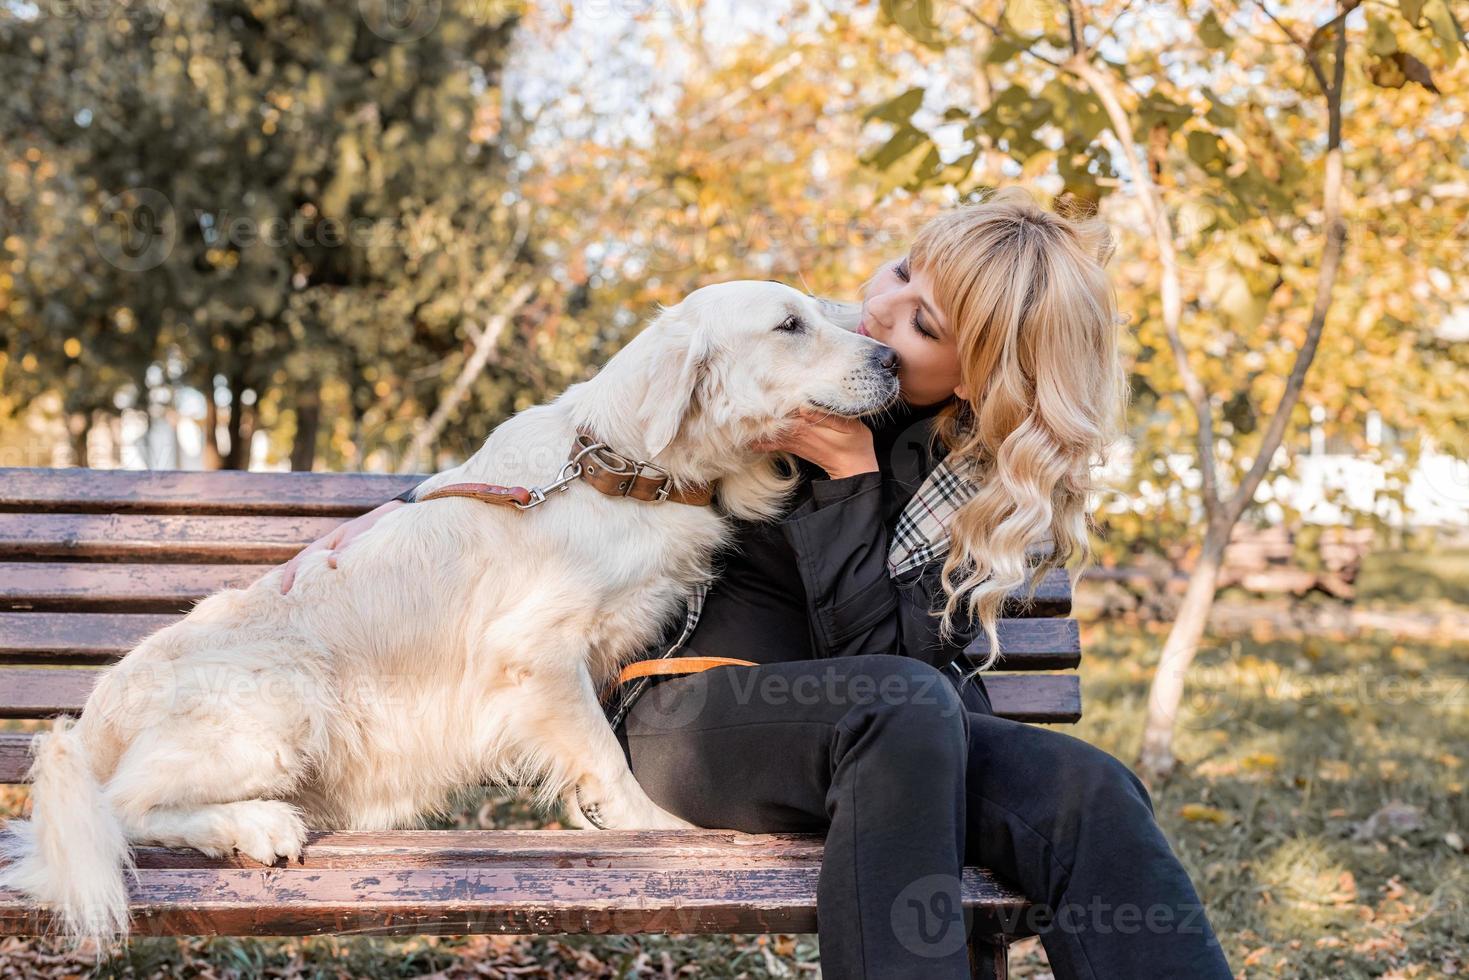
x=1156 y=760
x=240 y=428
x=213 y=457
x=78 y=431
x=308 y=424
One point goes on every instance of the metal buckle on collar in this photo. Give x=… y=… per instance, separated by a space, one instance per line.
x=661 y=494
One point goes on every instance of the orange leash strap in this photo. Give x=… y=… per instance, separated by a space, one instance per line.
x=672 y=665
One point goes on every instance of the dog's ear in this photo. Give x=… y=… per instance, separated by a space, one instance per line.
x=672 y=385
x=845 y=315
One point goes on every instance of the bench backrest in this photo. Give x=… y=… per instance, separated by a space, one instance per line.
x=91 y=561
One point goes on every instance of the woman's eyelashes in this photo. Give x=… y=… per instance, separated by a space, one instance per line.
x=904 y=273
x=918 y=326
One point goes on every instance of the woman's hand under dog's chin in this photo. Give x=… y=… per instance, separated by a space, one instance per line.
x=841 y=446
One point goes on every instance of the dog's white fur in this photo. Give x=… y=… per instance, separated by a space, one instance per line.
x=456 y=642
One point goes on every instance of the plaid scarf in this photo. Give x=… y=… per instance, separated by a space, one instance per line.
x=920 y=535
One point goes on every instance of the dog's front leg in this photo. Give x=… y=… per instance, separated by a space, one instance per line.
x=569 y=724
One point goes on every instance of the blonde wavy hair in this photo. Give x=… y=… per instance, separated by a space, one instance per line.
x=1035 y=318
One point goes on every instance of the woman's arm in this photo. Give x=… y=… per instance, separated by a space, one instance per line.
x=841 y=546
x=342 y=535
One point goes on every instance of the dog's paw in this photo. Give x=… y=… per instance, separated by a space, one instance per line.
x=265 y=830
x=624 y=811
x=660 y=819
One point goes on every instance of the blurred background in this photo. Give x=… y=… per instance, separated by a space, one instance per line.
x=355 y=236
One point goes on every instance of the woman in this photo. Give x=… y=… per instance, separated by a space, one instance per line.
x=857 y=720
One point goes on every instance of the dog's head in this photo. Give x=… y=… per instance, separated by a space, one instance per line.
x=730 y=363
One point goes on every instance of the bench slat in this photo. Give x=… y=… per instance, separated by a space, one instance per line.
x=116 y=587
x=136 y=587
x=39 y=692
x=94 y=638
x=474 y=900
x=1042 y=698
x=158 y=537
x=525 y=848
x=75 y=638
x=15 y=757
x=86 y=491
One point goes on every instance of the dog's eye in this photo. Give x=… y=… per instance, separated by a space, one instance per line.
x=792 y=324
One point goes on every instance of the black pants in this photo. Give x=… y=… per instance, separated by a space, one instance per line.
x=910 y=780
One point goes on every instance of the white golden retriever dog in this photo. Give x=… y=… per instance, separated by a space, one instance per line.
x=456 y=642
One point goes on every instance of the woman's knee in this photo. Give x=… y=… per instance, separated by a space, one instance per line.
x=1102 y=784
x=906 y=705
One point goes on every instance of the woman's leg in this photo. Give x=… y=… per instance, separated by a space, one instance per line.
x=1074 y=829
x=869 y=749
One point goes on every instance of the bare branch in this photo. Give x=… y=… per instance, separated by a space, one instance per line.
x=1104 y=87
x=1111 y=30
x=1310 y=53
x=1347 y=7
x=1331 y=254
x=484 y=349
x=1076 y=27
x=1000 y=33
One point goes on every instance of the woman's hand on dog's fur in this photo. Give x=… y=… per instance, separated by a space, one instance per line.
x=335 y=540
x=840 y=446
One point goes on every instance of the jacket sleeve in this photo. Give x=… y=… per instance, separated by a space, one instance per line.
x=841 y=546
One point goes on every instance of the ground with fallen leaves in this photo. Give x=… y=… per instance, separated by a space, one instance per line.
x=1320 y=807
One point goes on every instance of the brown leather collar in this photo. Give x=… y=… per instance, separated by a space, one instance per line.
x=617 y=475
x=610 y=472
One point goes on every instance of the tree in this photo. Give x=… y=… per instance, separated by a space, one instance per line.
x=1226 y=127
x=292 y=208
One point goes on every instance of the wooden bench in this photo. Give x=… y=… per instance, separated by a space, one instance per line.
x=93 y=560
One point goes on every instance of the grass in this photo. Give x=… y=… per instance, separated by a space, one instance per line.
x=1415 y=577
x=1290 y=745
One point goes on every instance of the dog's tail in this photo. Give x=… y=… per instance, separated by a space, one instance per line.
x=72 y=853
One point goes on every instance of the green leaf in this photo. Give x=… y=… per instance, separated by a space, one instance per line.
x=929 y=169
x=1076 y=111
x=1380 y=38
x=1001 y=50
x=960 y=168
x=1221 y=114
x=905 y=170
x=898 y=109
x=915 y=18
x=1207 y=150
x=902 y=142
x=1445 y=28
x=1213 y=34
x=1158 y=109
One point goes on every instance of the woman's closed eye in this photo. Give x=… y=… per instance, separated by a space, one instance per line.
x=903 y=272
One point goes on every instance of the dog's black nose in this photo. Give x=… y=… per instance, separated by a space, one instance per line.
x=887 y=359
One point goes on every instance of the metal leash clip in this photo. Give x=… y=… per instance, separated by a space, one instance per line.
x=570 y=472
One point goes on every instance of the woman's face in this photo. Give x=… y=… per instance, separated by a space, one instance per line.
x=898 y=309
